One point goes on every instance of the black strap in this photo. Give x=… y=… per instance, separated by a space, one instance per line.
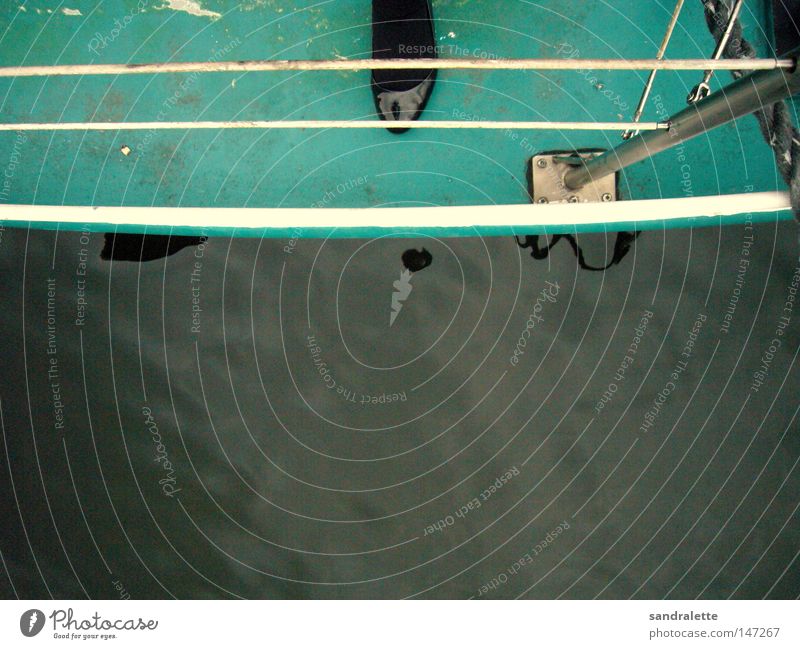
x=786 y=22
x=621 y=248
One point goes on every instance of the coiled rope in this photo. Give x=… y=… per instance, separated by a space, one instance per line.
x=775 y=120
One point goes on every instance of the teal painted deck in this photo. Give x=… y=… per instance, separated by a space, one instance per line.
x=290 y=489
x=344 y=168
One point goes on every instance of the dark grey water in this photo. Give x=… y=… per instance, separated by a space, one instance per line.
x=243 y=421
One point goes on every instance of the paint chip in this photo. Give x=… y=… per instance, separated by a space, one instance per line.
x=190 y=7
x=125 y=149
x=71 y=12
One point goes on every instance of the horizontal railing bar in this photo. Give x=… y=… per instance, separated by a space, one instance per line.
x=397 y=64
x=326 y=124
x=527 y=218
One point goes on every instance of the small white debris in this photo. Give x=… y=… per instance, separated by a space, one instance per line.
x=71 y=12
x=190 y=7
x=125 y=149
x=451 y=34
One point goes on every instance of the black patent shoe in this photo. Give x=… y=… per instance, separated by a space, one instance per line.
x=402 y=29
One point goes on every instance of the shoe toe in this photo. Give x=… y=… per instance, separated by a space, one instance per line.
x=405 y=105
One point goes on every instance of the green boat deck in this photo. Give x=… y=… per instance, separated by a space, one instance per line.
x=336 y=168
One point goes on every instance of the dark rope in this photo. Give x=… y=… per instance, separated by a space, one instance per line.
x=775 y=120
x=621 y=248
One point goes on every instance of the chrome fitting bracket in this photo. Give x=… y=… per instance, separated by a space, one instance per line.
x=547 y=180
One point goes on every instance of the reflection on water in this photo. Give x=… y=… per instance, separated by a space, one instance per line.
x=258 y=418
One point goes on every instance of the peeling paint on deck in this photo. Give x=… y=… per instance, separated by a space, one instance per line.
x=190 y=7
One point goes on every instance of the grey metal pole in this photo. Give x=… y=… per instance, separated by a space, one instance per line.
x=740 y=98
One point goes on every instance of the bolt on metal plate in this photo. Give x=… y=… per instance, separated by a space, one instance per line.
x=548 y=181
